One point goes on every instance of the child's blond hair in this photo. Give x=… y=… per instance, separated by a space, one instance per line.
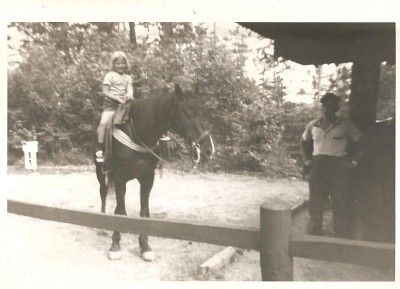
x=119 y=54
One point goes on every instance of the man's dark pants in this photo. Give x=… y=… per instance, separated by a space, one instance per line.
x=329 y=177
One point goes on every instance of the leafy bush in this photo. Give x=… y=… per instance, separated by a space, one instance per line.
x=53 y=93
x=296 y=117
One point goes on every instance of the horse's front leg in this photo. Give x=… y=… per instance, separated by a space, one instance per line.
x=103 y=186
x=146 y=184
x=120 y=190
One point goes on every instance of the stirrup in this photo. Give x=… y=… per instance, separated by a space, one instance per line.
x=99 y=156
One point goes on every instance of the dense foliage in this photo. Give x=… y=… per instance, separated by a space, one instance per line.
x=53 y=91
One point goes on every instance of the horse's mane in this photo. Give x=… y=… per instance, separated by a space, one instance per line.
x=151 y=105
x=159 y=102
x=152 y=114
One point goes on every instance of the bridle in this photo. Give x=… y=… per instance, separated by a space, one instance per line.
x=195 y=144
x=201 y=137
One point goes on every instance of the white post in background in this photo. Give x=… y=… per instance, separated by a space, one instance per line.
x=30 y=149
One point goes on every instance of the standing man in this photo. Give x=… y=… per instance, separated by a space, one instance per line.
x=325 y=143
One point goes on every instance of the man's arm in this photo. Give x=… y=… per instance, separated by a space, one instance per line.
x=307 y=145
x=306 y=150
x=358 y=143
x=358 y=149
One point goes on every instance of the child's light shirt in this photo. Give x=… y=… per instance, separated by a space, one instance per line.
x=120 y=85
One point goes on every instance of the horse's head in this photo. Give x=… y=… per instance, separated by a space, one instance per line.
x=187 y=121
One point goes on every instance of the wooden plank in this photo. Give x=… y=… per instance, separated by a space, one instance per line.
x=319 y=43
x=241 y=237
x=218 y=261
x=343 y=250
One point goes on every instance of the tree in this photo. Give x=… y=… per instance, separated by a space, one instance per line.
x=317 y=83
x=60 y=95
x=132 y=35
x=340 y=81
x=272 y=83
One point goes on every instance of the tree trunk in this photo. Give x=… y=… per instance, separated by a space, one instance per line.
x=132 y=35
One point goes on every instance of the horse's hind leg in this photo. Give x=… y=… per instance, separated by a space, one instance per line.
x=120 y=190
x=103 y=186
x=146 y=184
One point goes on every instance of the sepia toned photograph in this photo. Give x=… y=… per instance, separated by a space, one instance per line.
x=199 y=151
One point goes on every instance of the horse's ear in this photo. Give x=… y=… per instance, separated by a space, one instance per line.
x=178 y=91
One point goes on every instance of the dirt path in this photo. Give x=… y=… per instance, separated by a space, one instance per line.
x=48 y=254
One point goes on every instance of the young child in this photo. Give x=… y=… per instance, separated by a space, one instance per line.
x=117 y=88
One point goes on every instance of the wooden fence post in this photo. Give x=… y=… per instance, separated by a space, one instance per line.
x=275 y=230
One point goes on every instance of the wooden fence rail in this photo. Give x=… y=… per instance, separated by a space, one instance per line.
x=343 y=250
x=278 y=246
x=241 y=237
x=273 y=239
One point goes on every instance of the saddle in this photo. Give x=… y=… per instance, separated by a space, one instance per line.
x=119 y=118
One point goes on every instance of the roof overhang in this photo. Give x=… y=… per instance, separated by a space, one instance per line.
x=319 y=43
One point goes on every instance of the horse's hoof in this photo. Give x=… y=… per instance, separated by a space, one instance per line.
x=148 y=256
x=114 y=255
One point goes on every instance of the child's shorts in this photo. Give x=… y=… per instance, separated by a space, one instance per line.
x=106 y=116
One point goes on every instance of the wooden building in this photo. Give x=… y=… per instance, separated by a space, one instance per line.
x=366 y=45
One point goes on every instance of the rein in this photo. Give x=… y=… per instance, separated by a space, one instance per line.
x=126 y=140
x=145 y=146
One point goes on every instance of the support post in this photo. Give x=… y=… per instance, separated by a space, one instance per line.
x=364 y=93
x=362 y=112
x=275 y=230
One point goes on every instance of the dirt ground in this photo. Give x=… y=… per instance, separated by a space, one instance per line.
x=47 y=254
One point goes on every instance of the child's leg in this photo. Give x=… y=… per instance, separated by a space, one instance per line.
x=101 y=130
x=120 y=115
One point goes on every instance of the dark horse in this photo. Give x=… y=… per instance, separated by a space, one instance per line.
x=149 y=119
